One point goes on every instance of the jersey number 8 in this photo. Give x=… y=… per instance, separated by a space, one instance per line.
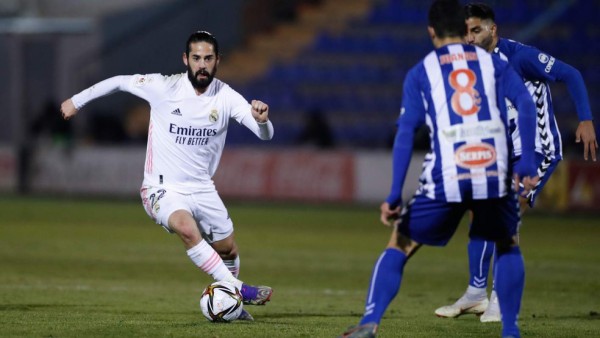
x=465 y=100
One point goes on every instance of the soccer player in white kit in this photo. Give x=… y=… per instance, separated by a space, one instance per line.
x=189 y=116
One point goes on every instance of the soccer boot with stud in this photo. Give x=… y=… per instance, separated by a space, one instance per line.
x=464 y=305
x=368 y=330
x=256 y=295
x=492 y=312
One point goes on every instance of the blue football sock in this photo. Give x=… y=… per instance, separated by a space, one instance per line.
x=385 y=283
x=510 y=281
x=480 y=257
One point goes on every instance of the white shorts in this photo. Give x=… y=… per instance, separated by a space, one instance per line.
x=207 y=209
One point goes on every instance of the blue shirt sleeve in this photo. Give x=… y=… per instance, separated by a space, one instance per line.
x=514 y=89
x=536 y=65
x=412 y=116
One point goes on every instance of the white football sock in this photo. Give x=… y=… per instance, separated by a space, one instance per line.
x=209 y=261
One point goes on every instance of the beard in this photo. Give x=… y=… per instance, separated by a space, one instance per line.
x=201 y=84
x=486 y=42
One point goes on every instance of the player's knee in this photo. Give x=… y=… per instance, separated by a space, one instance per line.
x=404 y=244
x=505 y=245
x=189 y=237
x=187 y=231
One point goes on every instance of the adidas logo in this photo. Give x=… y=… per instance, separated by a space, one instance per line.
x=176 y=112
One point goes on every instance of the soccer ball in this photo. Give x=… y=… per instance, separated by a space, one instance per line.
x=221 y=302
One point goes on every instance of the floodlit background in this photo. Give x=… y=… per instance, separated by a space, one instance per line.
x=331 y=70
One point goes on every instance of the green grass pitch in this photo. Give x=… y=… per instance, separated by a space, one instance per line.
x=94 y=268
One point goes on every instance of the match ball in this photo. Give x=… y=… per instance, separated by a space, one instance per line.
x=221 y=302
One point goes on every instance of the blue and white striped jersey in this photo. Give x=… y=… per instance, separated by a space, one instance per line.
x=537 y=69
x=459 y=91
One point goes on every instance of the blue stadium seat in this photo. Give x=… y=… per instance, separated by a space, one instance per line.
x=358 y=72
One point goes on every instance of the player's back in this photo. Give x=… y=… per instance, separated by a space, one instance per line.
x=469 y=145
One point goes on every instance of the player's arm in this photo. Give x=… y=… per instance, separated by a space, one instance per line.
x=260 y=113
x=71 y=106
x=412 y=116
x=254 y=116
x=537 y=65
x=517 y=93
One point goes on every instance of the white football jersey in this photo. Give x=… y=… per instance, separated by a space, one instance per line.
x=187 y=131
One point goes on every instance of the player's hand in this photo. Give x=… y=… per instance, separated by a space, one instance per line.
x=68 y=109
x=585 y=132
x=260 y=111
x=528 y=184
x=388 y=216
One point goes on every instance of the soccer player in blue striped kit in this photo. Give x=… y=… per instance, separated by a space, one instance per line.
x=459 y=92
x=537 y=69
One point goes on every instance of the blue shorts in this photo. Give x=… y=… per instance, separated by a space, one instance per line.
x=434 y=222
x=546 y=167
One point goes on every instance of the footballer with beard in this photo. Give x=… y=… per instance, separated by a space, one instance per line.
x=189 y=117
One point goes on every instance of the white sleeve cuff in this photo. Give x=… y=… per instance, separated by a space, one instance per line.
x=265 y=130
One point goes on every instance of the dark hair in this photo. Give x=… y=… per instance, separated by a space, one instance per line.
x=202 y=36
x=447 y=18
x=479 y=10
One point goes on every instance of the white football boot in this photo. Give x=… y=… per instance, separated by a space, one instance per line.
x=467 y=304
x=492 y=312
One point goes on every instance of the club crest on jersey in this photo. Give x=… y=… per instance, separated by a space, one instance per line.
x=475 y=156
x=214 y=116
x=545 y=59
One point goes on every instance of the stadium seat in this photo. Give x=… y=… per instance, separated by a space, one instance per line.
x=360 y=68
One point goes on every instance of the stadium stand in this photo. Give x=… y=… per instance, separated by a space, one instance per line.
x=349 y=58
